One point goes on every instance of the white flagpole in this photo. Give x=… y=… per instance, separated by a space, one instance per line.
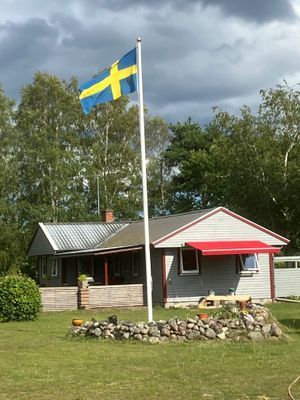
x=144 y=180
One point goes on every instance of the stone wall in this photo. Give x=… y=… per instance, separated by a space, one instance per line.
x=256 y=324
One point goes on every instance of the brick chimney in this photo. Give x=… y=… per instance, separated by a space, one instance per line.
x=108 y=216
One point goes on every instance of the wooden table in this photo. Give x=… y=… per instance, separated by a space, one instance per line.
x=217 y=300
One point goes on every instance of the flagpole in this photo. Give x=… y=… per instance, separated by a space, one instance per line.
x=144 y=180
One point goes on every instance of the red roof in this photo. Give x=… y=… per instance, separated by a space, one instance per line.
x=219 y=248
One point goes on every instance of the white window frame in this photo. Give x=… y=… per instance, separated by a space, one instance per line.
x=44 y=267
x=196 y=271
x=243 y=270
x=55 y=268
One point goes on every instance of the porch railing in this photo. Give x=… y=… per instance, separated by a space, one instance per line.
x=66 y=298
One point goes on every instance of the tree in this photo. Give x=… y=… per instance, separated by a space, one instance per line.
x=110 y=152
x=49 y=121
x=191 y=167
x=249 y=163
x=9 y=252
x=157 y=135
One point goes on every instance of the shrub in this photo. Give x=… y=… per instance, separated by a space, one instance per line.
x=20 y=298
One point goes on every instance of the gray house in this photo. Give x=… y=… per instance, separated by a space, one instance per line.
x=191 y=253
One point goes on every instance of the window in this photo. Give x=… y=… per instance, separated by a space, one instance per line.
x=116 y=265
x=135 y=264
x=54 y=269
x=247 y=263
x=85 y=265
x=44 y=266
x=189 y=262
x=286 y=264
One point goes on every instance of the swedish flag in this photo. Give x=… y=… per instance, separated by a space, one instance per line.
x=112 y=83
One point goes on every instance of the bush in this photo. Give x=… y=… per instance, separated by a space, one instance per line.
x=20 y=298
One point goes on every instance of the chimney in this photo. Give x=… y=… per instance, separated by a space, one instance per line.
x=108 y=216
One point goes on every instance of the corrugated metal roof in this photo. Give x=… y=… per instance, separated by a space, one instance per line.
x=133 y=234
x=79 y=236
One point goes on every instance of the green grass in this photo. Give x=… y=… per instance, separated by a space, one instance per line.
x=38 y=361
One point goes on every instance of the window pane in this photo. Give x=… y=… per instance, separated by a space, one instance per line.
x=189 y=260
x=249 y=261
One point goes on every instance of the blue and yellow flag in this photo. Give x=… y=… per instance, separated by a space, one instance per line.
x=110 y=84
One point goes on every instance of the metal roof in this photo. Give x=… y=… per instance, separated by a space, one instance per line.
x=79 y=236
x=133 y=234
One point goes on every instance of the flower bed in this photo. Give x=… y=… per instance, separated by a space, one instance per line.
x=255 y=324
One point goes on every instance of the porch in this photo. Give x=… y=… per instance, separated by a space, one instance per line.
x=104 y=269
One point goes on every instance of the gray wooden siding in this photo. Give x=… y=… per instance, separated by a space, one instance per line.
x=287 y=282
x=116 y=296
x=59 y=298
x=217 y=273
x=40 y=245
x=220 y=226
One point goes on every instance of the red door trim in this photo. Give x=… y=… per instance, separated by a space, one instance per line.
x=164 y=276
x=272 y=277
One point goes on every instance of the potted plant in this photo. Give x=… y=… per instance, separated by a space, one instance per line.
x=82 y=281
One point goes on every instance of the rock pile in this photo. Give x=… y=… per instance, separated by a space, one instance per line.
x=256 y=324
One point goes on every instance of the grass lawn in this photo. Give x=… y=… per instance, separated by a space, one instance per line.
x=39 y=362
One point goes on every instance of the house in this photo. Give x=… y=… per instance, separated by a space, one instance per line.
x=191 y=254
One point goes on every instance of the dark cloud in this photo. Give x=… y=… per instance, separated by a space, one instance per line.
x=25 y=48
x=252 y=10
x=255 y=10
x=119 y=5
x=195 y=55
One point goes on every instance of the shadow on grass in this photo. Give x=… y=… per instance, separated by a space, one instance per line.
x=293 y=324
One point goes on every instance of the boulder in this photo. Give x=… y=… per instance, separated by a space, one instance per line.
x=210 y=333
x=221 y=336
x=256 y=336
x=153 y=340
x=266 y=328
x=193 y=335
x=275 y=330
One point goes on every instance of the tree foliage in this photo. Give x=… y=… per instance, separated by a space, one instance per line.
x=110 y=153
x=8 y=187
x=249 y=163
x=52 y=155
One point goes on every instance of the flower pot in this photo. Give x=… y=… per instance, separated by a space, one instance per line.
x=203 y=316
x=243 y=305
x=77 y=322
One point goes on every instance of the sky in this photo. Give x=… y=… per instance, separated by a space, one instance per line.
x=197 y=54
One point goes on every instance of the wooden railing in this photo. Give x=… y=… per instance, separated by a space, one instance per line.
x=66 y=298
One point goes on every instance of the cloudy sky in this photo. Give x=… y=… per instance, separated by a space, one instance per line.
x=197 y=54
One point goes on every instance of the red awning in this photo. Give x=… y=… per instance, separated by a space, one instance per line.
x=233 y=247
